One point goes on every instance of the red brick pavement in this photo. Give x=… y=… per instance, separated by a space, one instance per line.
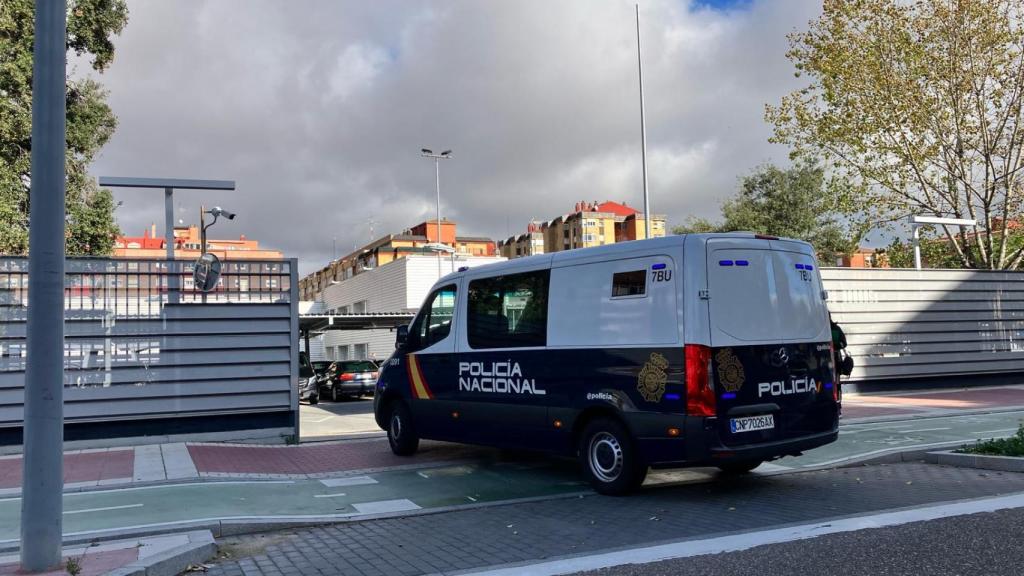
x=318 y=458
x=91 y=563
x=852 y=411
x=80 y=467
x=955 y=399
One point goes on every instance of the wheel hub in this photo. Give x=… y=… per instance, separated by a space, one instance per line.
x=605 y=455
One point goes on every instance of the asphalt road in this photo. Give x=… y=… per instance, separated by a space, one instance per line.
x=987 y=543
x=350 y=418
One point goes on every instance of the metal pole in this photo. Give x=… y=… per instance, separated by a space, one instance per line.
x=917 y=246
x=43 y=472
x=437 y=180
x=172 y=273
x=643 y=128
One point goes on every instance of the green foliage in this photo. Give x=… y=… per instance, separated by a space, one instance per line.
x=1012 y=446
x=937 y=251
x=921 y=104
x=799 y=202
x=90 y=123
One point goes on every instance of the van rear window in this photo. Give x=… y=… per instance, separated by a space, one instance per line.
x=629 y=283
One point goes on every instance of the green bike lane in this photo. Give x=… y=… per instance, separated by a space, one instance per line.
x=480 y=481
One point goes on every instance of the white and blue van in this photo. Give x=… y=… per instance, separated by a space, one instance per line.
x=690 y=350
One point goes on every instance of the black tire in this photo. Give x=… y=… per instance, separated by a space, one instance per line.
x=610 y=461
x=402 y=434
x=335 y=397
x=315 y=399
x=740 y=466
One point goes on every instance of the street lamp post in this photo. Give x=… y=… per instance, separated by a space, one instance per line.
x=43 y=468
x=447 y=155
x=168 y=185
x=917 y=221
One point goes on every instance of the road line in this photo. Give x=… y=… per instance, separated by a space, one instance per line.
x=159 y=486
x=351 y=481
x=320 y=420
x=745 y=541
x=87 y=510
x=995 y=431
x=925 y=429
x=399 y=505
x=328 y=495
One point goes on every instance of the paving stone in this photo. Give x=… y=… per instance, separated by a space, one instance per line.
x=482 y=537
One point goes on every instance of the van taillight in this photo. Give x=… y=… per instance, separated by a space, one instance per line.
x=700 y=391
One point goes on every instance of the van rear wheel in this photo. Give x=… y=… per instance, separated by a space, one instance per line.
x=740 y=467
x=609 y=459
x=402 y=434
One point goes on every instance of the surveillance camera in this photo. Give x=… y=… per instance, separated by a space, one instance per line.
x=218 y=211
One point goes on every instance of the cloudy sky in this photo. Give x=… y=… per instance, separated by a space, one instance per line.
x=318 y=110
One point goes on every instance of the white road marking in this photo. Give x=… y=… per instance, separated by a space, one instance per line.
x=734 y=543
x=471 y=499
x=320 y=420
x=87 y=510
x=329 y=495
x=352 y=481
x=925 y=429
x=1004 y=430
x=400 y=505
x=422 y=475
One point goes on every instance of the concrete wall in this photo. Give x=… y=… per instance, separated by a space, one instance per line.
x=927 y=323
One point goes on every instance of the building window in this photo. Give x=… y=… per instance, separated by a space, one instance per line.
x=359 y=352
x=629 y=283
x=359 y=307
x=434 y=322
x=509 y=311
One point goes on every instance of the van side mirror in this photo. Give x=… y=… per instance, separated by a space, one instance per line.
x=402 y=336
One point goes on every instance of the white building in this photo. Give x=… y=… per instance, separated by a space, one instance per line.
x=398 y=286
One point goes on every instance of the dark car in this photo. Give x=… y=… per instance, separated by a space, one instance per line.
x=308 y=390
x=351 y=378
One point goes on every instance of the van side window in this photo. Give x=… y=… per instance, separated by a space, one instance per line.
x=632 y=283
x=434 y=321
x=509 y=311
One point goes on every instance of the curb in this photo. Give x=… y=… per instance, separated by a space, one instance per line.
x=981 y=461
x=200 y=548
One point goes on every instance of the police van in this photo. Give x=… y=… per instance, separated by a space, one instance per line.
x=690 y=350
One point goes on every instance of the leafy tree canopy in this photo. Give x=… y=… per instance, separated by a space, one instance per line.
x=921 y=104
x=799 y=202
x=90 y=123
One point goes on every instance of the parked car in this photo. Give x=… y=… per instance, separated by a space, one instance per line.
x=308 y=382
x=351 y=378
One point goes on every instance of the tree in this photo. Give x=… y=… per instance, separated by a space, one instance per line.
x=90 y=123
x=921 y=104
x=799 y=202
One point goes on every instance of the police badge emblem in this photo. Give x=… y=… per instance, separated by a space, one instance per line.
x=730 y=370
x=651 y=380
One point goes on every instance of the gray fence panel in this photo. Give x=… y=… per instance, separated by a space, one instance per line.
x=920 y=323
x=132 y=354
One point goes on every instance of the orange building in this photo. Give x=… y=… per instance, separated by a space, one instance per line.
x=389 y=248
x=187 y=246
x=589 y=224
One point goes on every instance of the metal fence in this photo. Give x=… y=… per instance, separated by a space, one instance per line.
x=137 y=347
x=926 y=323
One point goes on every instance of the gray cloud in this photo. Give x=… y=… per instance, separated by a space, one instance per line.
x=318 y=110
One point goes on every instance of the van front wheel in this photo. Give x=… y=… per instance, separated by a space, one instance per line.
x=401 y=433
x=609 y=459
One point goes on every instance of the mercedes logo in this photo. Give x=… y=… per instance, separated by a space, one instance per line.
x=780 y=358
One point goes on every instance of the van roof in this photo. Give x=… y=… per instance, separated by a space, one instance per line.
x=528 y=262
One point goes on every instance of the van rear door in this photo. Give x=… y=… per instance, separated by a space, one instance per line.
x=770 y=339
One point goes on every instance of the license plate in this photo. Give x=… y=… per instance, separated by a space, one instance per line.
x=751 y=423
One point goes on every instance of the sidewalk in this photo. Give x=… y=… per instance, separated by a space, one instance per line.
x=877 y=407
